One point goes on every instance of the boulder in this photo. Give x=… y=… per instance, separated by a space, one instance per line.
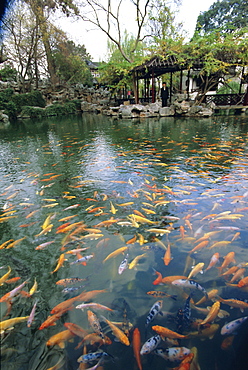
x=167 y=111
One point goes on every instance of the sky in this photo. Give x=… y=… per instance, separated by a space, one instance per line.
x=96 y=42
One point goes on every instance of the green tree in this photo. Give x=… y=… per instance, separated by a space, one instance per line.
x=226 y=15
x=71 y=60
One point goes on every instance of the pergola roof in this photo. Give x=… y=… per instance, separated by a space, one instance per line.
x=158 y=66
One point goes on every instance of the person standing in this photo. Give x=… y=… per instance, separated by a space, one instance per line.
x=164 y=94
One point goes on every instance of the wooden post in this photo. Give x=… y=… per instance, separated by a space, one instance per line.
x=135 y=88
x=170 y=86
x=188 y=84
x=240 y=85
x=153 y=87
x=181 y=82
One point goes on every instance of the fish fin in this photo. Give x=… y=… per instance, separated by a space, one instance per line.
x=84 y=263
x=220 y=315
x=161 y=313
x=242 y=310
x=174 y=297
x=61 y=345
x=211 y=337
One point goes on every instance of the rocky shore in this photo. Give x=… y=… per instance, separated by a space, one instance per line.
x=100 y=101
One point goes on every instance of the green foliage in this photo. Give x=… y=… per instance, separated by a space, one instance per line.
x=225 y=15
x=231 y=87
x=8 y=74
x=32 y=99
x=56 y=109
x=12 y=103
x=70 y=61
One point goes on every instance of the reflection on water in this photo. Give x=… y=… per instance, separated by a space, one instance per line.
x=103 y=187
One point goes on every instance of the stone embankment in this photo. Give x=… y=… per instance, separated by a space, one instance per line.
x=100 y=101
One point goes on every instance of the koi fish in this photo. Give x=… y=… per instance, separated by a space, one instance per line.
x=95 y=323
x=154 y=311
x=160 y=294
x=150 y=345
x=158 y=280
x=234 y=303
x=219 y=244
x=115 y=253
x=14 y=243
x=135 y=261
x=7 y=324
x=212 y=294
x=167 y=256
x=205 y=333
x=50 y=321
x=72 y=289
x=60 y=263
x=243 y=282
x=82 y=260
x=185 y=283
x=164 y=332
x=158 y=231
x=93 y=305
x=174 y=354
x=44 y=245
x=213 y=313
x=13 y=292
x=199 y=246
x=123 y=265
x=136 y=347
x=65 y=282
x=93 y=356
x=5 y=276
x=198 y=268
x=76 y=329
x=34 y=288
x=32 y=313
x=214 y=259
x=227 y=260
x=230 y=327
x=118 y=333
x=60 y=338
x=142 y=220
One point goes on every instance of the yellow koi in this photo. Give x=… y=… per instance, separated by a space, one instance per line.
x=135 y=261
x=115 y=253
x=5 y=276
x=142 y=220
x=7 y=324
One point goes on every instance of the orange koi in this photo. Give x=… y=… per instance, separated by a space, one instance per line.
x=227 y=260
x=60 y=338
x=214 y=259
x=234 y=303
x=76 y=329
x=60 y=263
x=165 y=332
x=32 y=213
x=50 y=321
x=132 y=240
x=13 y=280
x=213 y=312
x=167 y=256
x=238 y=274
x=158 y=280
x=182 y=232
x=14 y=243
x=199 y=246
x=118 y=333
x=170 y=279
x=136 y=347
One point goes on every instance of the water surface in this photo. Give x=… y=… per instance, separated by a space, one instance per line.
x=185 y=176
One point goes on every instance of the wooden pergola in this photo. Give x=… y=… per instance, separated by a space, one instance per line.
x=158 y=66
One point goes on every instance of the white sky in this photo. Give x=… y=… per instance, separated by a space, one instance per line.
x=96 y=42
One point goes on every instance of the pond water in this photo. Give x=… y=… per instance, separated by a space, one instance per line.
x=139 y=189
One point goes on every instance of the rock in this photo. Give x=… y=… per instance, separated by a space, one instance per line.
x=167 y=111
x=125 y=111
x=182 y=108
x=206 y=112
x=4 y=117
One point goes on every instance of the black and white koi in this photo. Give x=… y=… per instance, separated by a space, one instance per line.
x=72 y=289
x=154 y=311
x=191 y=284
x=82 y=259
x=231 y=326
x=93 y=356
x=173 y=354
x=123 y=265
x=150 y=344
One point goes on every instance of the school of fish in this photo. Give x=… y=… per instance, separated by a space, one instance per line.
x=137 y=274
